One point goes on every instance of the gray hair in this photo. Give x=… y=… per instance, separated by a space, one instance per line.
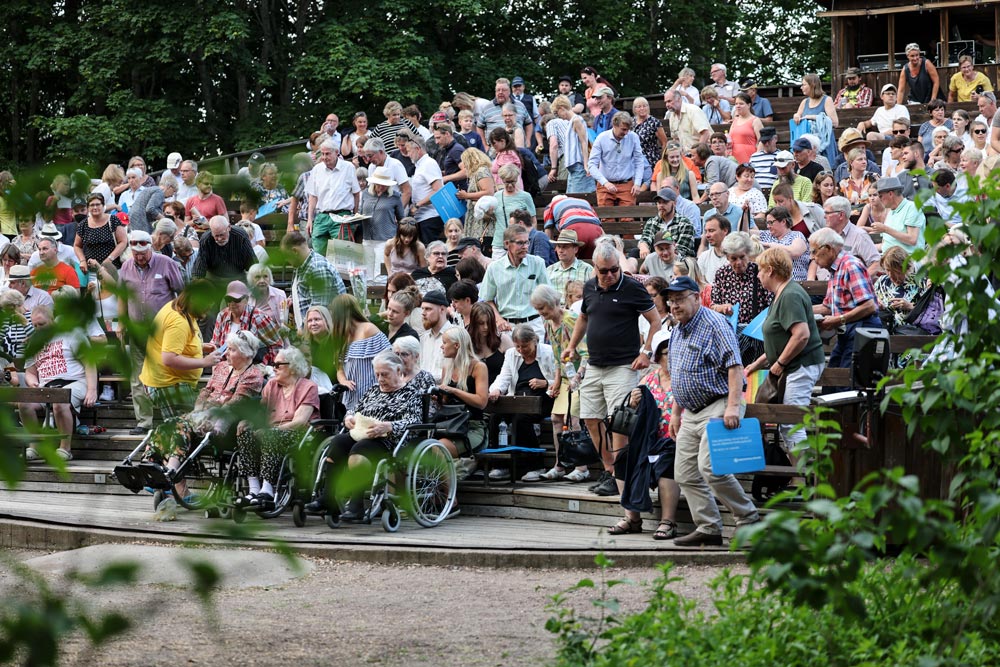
x=676 y=94
x=192 y=164
x=737 y=242
x=610 y=239
x=685 y=71
x=133 y=171
x=330 y=144
x=219 y=220
x=622 y=118
x=258 y=270
x=952 y=142
x=244 y=342
x=297 y=363
x=605 y=252
x=165 y=226
x=375 y=145
x=408 y=344
x=524 y=333
x=719 y=66
x=509 y=107
x=973 y=154
x=824 y=236
x=434 y=245
x=839 y=204
x=168 y=180
x=11 y=299
x=388 y=358
x=545 y=295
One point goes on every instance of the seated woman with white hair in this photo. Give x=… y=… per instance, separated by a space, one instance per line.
x=529 y=369
x=407 y=348
x=291 y=400
x=384 y=412
x=264 y=296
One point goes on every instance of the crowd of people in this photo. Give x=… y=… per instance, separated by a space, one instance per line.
x=488 y=304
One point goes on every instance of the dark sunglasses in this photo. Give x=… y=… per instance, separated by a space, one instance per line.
x=900 y=131
x=612 y=269
x=979 y=131
x=234 y=299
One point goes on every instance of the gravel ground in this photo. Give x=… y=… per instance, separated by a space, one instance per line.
x=354 y=614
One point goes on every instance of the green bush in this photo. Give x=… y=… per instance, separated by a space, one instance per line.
x=822 y=587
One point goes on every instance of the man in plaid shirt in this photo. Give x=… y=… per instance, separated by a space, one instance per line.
x=850 y=298
x=667 y=218
x=315 y=282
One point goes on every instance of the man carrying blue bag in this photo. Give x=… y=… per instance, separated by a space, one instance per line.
x=708 y=384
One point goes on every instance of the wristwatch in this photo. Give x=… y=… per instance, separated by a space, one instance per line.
x=648 y=353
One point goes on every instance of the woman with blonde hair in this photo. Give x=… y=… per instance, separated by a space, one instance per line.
x=688 y=266
x=671 y=163
x=478 y=166
x=464 y=382
x=111 y=179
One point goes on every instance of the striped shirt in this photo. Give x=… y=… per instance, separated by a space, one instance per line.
x=569 y=211
x=701 y=353
x=358 y=366
x=762 y=163
x=227 y=262
x=510 y=286
x=387 y=133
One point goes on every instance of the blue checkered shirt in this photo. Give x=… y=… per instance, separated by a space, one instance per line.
x=701 y=353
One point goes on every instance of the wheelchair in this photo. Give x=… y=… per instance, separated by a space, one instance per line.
x=418 y=477
x=210 y=478
x=289 y=488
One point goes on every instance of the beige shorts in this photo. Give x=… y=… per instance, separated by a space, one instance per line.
x=603 y=389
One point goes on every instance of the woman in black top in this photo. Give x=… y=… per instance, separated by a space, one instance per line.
x=487 y=342
x=465 y=382
x=101 y=236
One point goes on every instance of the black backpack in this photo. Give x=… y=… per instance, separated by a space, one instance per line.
x=529 y=171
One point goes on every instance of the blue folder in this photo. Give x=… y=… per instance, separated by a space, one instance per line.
x=447 y=203
x=735 y=450
x=755 y=328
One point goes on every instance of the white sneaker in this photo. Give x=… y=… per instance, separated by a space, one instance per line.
x=499 y=474
x=534 y=476
x=107 y=395
x=554 y=474
x=578 y=476
x=166 y=510
x=31 y=454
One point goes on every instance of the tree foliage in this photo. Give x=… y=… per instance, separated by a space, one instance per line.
x=98 y=81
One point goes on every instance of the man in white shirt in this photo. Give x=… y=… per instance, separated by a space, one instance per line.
x=187 y=172
x=20 y=280
x=333 y=190
x=427 y=179
x=880 y=125
x=433 y=313
x=727 y=89
x=717 y=228
x=375 y=149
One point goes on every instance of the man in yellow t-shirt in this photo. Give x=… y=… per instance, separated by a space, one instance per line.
x=174 y=359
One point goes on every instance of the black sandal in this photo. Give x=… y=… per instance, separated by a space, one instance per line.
x=669 y=534
x=626 y=527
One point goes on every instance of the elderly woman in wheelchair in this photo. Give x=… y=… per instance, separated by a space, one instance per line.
x=383 y=415
x=291 y=400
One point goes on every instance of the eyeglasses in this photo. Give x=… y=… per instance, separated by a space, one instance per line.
x=234 y=299
x=438 y=253
x=900 y=131
x=279 y=364
x=609 y=270
x=714 y=71
x=521 y=242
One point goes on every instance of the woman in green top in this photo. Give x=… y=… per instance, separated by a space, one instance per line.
x=792 y=344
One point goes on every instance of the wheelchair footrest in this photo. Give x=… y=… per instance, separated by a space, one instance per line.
x=511 y=449
x=130 y=477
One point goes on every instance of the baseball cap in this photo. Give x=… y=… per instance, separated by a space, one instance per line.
x=802 y=144
x=567 y=78
x=518 y=81
x=783 y=159
x=748 y=84
x=603 y=90
x=237 y=290
x=886 y=87
x=768 y=133
x=663 y=236
x=468 y=242
x=173 y=160
x=683 y=284
x=666 y=194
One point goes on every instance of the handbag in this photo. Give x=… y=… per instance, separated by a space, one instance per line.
x=576 y=448
x=452 y=421
x=624 y=417
x=772 y=390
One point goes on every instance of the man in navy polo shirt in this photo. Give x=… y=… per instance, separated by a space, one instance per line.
x=707 y=384
x=612 y=305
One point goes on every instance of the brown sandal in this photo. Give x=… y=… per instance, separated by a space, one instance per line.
x=625 y=527
x=668 y=533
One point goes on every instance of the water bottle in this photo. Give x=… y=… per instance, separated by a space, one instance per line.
x=570 y=375
x=502 y=431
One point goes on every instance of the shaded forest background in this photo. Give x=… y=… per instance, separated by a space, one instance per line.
x=93 y=81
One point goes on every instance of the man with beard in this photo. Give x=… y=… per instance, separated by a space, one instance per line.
x=855 y=94
x=576 y=99
x=784 y=163
x=913 y=161
x=434 y=317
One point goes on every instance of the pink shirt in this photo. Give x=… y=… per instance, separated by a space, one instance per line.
x=281 y=409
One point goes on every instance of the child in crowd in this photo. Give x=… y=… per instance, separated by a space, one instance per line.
x=467 y=122
x=405 y=252
x=573 y=295
x=453 y=232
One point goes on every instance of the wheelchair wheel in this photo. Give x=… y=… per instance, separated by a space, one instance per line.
x=157 y=498
x=430 y=483
x=332 y=520
x=284 y=491
x=239 y=515
x=298 y=515
x=390 y=518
